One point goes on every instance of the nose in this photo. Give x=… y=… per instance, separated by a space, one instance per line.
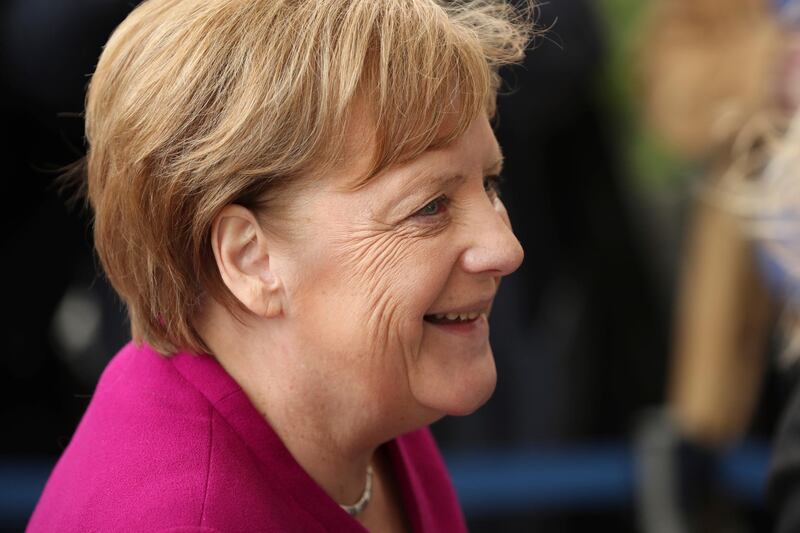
x=493 y=247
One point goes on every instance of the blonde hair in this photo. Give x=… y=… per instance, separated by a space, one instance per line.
x=197 y=104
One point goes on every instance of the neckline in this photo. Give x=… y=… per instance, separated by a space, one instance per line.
x=401 y=465
x=207 y=376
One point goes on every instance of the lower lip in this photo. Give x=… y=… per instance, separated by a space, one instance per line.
x=470 y=327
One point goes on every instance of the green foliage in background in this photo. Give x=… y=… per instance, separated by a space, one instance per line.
x=650 y=164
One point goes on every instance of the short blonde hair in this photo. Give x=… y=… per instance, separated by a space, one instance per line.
x=197 y=104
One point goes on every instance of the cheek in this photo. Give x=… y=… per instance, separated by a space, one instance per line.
x=361 y=312
x=391 y=278
x=367 y=293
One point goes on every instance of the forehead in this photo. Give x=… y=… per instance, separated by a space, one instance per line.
x=474 y=151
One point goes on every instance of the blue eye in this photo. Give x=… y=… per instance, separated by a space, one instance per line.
x=433 y=208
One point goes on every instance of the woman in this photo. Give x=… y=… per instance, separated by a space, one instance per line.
x=297 y=203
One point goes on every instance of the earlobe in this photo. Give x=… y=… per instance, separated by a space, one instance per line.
x=274 y=307
x=242 y=254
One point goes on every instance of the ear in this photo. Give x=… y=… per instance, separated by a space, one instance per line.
x=242 y=254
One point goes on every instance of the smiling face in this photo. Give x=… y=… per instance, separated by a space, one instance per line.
x=388 y=287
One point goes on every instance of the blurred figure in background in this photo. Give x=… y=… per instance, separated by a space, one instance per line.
x=779 y=227
x=715 y=89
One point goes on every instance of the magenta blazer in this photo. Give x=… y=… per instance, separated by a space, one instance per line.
x=173 y=444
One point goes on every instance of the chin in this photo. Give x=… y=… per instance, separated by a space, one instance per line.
x=458 y=392
x=471 y=401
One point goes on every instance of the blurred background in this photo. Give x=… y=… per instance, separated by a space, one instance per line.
x=644 y=348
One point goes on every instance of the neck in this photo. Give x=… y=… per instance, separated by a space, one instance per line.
x=336 y=464
x=331 y=439
x=330 y=419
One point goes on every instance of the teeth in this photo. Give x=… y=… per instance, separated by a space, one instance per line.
x=457 y=316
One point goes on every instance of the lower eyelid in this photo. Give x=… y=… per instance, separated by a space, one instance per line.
x=431 y=222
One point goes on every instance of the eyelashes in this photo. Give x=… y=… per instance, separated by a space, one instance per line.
x=440 y=204
x=491 y=184
x=435 y=207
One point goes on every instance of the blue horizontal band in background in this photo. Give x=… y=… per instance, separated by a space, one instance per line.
x=499 y=481
x=21 y=482
x=488 y=482
x=742 y=472
x=492 y=482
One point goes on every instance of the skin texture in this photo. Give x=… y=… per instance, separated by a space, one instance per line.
x=335 y=350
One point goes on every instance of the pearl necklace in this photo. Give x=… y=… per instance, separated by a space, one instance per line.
x=361 y=504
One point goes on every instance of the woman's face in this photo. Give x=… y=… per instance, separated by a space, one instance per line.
x=388 y=287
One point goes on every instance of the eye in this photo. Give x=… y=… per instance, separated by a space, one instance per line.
x=491 y=184
x=434 y=207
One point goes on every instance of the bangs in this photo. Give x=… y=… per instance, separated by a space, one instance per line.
x=430 y=70
x=419 y=72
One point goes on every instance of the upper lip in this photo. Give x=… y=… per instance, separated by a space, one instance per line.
x=479 y=306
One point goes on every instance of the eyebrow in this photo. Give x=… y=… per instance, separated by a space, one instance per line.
x=450 y=179
x=424 y=181
x=441 y=181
